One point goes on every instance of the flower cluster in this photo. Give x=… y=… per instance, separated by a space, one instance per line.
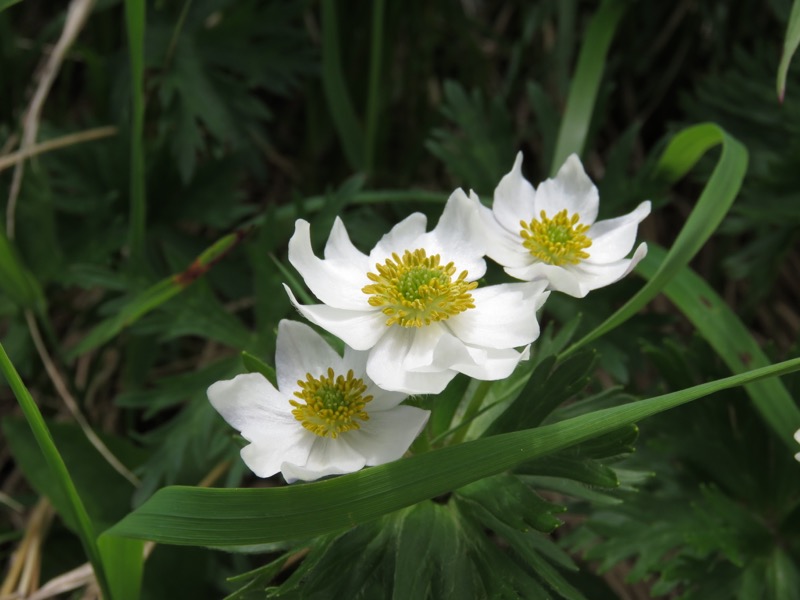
x=413 y=313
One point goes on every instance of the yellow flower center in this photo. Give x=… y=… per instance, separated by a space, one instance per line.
x=557 y=241
x=331 y=404
x=417 y=290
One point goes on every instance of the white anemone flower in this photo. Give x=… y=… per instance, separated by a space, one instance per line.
x=552 y=233
x=414 y=301
x=326 y=417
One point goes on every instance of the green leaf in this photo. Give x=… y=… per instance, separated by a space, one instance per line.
x=790 y=43
x=156 y=295
x=123 y=560
x=586 y=81
x=723 y=330
x=4 y=4
x=333 y=82
x=227 y=517
x=16 y=281
x=682 y=153
x=254 y=364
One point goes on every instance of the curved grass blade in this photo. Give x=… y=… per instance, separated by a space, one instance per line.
x=790 y=44
x=723 y=330
x=58 y=468
x=341 y=107
x=230 y=517
x=586 y=82
x=682 y=153
x=157 y=294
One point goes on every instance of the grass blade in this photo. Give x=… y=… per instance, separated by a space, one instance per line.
x=56 y=464
x=682 y=154
x=135 y=21
x=586 y=82
x=339 y=103
x=723 y=330
x=790 y=43
x=228 y=517
x=4 y=4
x=373 y=97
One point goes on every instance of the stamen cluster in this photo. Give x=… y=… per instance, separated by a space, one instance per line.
x=416 y=289
x=331 y=404
x=557 y=241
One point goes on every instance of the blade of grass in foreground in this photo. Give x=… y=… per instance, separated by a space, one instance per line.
x=586 y=82
x=723 y=330
x=56 y=464
x=229 y=517
x=682 y=153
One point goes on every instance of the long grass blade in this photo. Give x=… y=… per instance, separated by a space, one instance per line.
x=586 y=82
x=723 y=330
x=680 y=156
x=228 y=517
x=135 y=22
x=373 y=97
x=333 y=82
x=57 y=466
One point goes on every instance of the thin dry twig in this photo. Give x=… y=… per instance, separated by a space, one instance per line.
x=72 y=404
x=77 y=13
x=55 y=144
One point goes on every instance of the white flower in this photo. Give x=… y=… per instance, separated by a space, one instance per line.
x=797 y=439
x=326 y=417
x=414 y=301
x=551 y=233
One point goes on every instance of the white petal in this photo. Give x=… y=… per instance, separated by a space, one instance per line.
x=358 y=329
x=797 y=436
x=336 y=283
x=249 y=403
x=591 y=277
x=384 y=366
x=420 y=355
x=402 y=237
x=612 y=239
x=504 y=315
x=265 y=457
x=458 y=232
x=572 y=190
x=491 y=364
x=340 y=248
x=502 y=246
x=326 y=457
x=558 y=278
x=387 y=435
x=300 y=350
x=514 y=199
x=381 y=399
